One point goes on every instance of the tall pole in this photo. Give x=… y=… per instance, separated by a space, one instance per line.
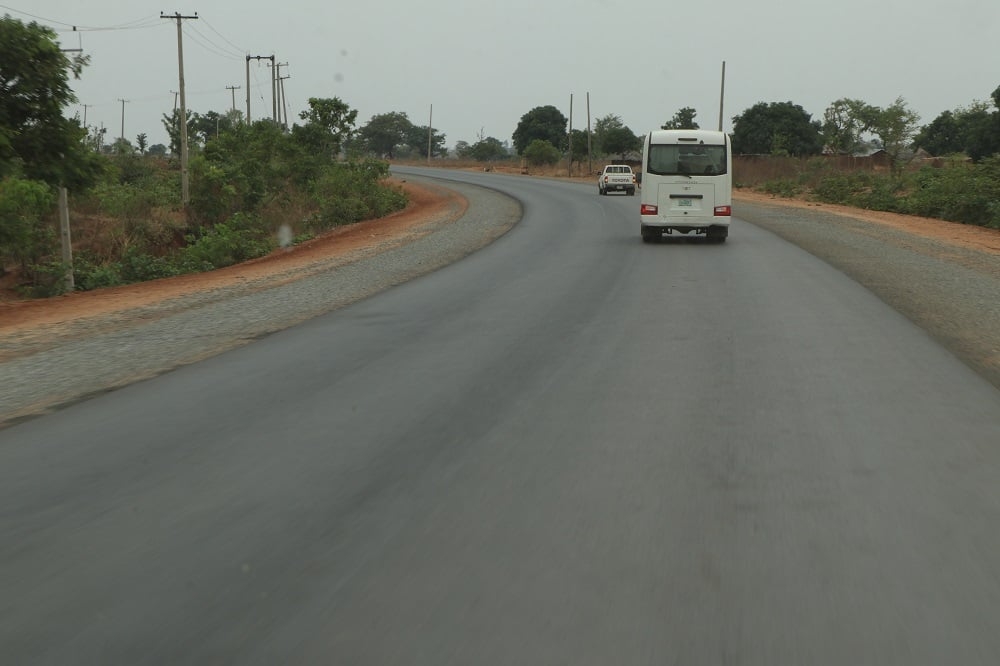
x=123 y=101
x=274 y=92
x=590 y=164
x=722 y=93
x=233 y=89
x=248 y=90
x=569 y=138
x=185 y=187
x=430 y=133
x=283 y=106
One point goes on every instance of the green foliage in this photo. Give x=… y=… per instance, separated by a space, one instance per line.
x=329 y=122
x=683 y=119
x=383 y=135
x=545 y=123
x=782 y=188
x=36 y=141
x=541 y=152
x=351 y=192
x=488 y=150
x=619 y=141
x=964 y=193
x=895 y=126
x=241 y=238
x=776 y=128
x=27 y=210
x=844 y=122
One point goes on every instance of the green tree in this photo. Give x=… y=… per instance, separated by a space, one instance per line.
x=329 y=123
x=780 y=128
x=943 y=136
x=683 y=119
x=895 y=126
x=417 y=140
x=385 y=133
x=540 y=152
x=546 y=123
x=619 y=141
x=142 y=143
x=488 y=149
x=173 y=128
x=35 y=139
x=602 y=126
x=844 y=123
x=157 y=150
x=25 y=237
x=579 y=138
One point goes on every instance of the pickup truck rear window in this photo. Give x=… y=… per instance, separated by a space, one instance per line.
x=673 y=159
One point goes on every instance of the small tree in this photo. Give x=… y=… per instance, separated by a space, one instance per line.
x=895 y=126
x=844 y=122
x=385 y=133
x=683 y=119
x=780 y=128
x=541 y=152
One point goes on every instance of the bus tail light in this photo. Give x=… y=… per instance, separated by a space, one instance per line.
x=724 y=211
x=649 y=209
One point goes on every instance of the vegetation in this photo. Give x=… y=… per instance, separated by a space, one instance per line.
x=683 y=119
x=545 y=123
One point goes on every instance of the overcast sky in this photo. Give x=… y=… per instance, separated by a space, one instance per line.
x=482 y=65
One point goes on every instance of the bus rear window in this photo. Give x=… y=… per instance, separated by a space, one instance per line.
x=675 y=160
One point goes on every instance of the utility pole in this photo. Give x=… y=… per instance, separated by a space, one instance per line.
x=722 y=93
x=283 y=105
x=123 y=101
x=430 y=134
x=257 y=58
x=569 y=139
x=64 y=236
x=590 y=164
x=185 y=189
x=233 y=89
x=274 y=92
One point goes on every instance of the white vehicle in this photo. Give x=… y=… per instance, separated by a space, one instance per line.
x=687 y=184
x=616 y=178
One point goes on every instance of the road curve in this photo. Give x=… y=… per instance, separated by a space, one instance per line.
x=569 y=447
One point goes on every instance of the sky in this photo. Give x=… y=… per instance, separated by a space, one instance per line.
x=472 y=69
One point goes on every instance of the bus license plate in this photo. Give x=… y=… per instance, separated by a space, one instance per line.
x=683 y=203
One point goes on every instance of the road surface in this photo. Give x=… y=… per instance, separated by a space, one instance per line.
x=568 y=448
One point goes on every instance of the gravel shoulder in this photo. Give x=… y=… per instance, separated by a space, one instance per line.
x=945 y=277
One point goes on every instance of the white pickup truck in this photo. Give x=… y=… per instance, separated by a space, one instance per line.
x=616 y=178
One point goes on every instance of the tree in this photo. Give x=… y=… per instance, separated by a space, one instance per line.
x=35 y=139
x=141 y=142
x=329 y=123
x=602 y=127
x=541 y=152
x=619 y=141
x=157 y=150
x=417 y=140
x=173 y=128
x=385 y=133
x=844 y=123
x=683 y=119
x=579 y=138
x=895 y=126
x=488 y=150
x=778 y=128
x=546 y=123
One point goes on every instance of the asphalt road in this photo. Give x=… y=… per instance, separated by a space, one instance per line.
x=568 y=448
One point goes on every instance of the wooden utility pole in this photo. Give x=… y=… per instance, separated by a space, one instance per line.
x=282 y=105
x=430 y=134
x=185 y=188
x=233 y=89
x=722 y=93
x=590 y=163
x=258 y=58
x=569 y=139
x=66 y=240
x=123 y=101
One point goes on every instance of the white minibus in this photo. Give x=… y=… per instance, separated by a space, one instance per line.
x=687 y=184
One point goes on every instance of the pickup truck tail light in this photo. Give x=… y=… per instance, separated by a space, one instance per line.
x=724 y=211
x=649 y=209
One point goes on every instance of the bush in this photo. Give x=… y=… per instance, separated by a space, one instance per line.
x=540 y=152
x=241 y=238
x=27 y=217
